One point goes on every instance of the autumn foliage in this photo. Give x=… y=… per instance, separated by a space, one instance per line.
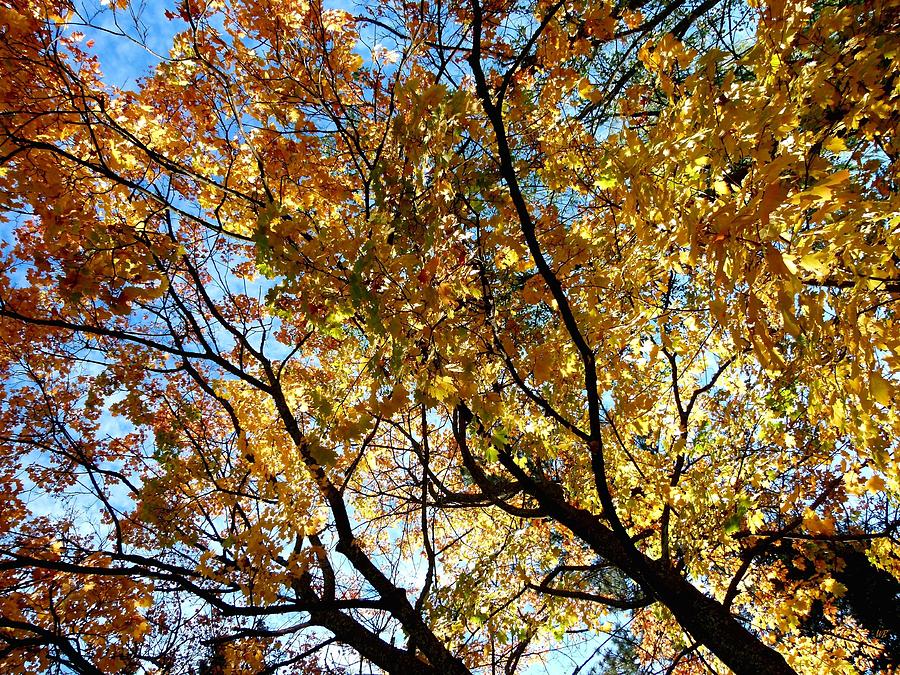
x=459 y=336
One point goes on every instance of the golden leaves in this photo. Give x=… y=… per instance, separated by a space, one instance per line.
x=824 y=190
x=337 y=20
x=588 y=91
x=16 y=23
x=817 y=525
x=665 y=53
x=726 y=247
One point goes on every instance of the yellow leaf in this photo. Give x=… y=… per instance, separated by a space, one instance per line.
x=334 y=20
x=816 y=525
x=632 y=19
x=875 y=484
x=506 y=257
x=441 y=387
x=880 y=388
x=835 y=144
x=605 y=183
x=834 y=587
x=398 y=399
x=533 y=291
x=144 y=602
x=823 y=190
x=779 y=264
x=588 y=91
x=542 y=369
x=354 y=62
x=815 y=263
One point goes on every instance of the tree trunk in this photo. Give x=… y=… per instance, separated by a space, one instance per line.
x=707 y=620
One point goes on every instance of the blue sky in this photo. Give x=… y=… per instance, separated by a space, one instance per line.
x=128 y=42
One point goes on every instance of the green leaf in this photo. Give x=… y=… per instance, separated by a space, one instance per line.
x=733 y=524
x=324 y=455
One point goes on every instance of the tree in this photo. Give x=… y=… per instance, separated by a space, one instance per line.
x=442 y=335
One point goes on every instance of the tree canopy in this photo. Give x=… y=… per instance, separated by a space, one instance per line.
x=451 y=336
